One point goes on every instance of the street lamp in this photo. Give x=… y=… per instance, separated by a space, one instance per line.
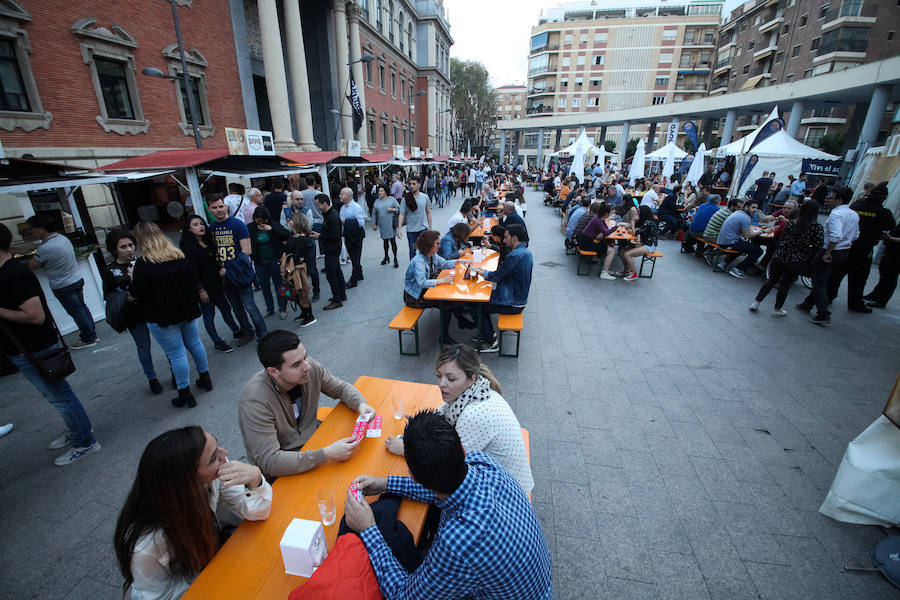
x=154 y=72
x=440 y=137
x=409 y=110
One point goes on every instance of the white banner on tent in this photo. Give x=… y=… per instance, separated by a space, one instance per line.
x=672 y=132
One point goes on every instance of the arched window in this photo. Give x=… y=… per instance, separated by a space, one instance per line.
x=390 y=21
x=409 y=44
x=400 y=31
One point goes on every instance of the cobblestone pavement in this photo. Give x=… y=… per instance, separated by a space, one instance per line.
x=681 y=445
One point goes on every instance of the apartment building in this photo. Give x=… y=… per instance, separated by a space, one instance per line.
x=618 y=54
x=510 y=102
x=765 y=42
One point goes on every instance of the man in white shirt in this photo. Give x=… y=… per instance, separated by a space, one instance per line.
x=354 y=229
x=463 y=215
x=651 y=199
x=841 y=228
x=235 y=200
x=254 y=201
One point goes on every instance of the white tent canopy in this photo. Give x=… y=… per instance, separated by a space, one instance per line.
x=663 y=153
x=590 y=150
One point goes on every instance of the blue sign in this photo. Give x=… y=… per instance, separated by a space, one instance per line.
x=821 y=166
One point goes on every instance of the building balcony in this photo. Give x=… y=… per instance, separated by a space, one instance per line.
x=719 y=88
x=728 y=46
x=691 y=87
x=542 y=70
x=687 y=68
x=699 y=43
x=771 y=24
x=547 y=48
x=850 y=14
x=765 y=52
x=542 y=91
x=538 y=110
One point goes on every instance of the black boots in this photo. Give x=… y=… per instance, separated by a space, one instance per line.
x=155 y=386
x=185 y=398
x=204 y=382
x=306 y=317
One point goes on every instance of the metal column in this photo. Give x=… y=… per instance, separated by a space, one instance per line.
x=793 y=124
x=540 y=149
x=623 y=144
x=502 y=145
x=728 y=129
x=651 y=137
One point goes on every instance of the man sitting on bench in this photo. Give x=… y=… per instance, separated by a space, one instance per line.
x=734 y=235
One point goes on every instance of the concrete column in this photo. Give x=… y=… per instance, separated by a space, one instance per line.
x=540 y=149
x=602 y=136
x=708 y=125
x=873 y=116
x=793 y=124
x=623 y=143
x=651 y=138
x=355 y=55
x=728 y=129
x=515 y=149
x=502 y=144
x=299 y=77
x=556 y=144
x=276 y=84
x=343 y=70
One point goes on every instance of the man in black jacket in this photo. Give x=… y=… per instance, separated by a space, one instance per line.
x=330 y=245
x=874 y=221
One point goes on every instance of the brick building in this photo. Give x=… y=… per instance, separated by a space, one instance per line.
x=765 y=42
x=510 y=101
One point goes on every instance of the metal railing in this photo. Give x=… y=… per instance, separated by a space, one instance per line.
x=540 y=109
x=836 y=44
x=852 y=9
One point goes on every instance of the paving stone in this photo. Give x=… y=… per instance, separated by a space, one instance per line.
x=573 y=514
x=624 y=550
x=567 y=461
x=678 y=577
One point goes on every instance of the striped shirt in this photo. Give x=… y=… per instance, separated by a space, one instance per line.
x=711 y=233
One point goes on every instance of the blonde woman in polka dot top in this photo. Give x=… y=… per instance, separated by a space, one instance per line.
x=482 y=418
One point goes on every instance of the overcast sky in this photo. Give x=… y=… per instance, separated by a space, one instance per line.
x=497 y=33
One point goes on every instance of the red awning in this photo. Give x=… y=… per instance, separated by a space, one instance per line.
x=311 y=158
x=167 y=159
x=440 y=158
x=378 y=157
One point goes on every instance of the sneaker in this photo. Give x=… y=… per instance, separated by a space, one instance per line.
x=61 y=442
x=803 y=308
x=268 y=314
x=306 y=321
x=245 y=339
x=606 y=275
x=315 y=297
x=778 y=312
x=493 y=347
x=223 y=347
x=737 y=273
x=75 y=453
x=6 y=429
x=332 y=306
x=631 y=277
x=79 y=344
x=820 y=319
x=755 y=306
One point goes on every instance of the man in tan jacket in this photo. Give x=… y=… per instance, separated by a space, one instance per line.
x=277 y=409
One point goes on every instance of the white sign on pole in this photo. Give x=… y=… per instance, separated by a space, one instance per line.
x=415 y=152
x=249 y=142
x=672 y=133
x=354 y=148
x=398 y=152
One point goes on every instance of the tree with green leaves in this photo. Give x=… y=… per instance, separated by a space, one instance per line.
x=473 y=102
x=832 y=143
x=610 y=145
x=631 y=147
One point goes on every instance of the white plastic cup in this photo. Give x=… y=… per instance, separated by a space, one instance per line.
x=397 y=405
x=325 y=501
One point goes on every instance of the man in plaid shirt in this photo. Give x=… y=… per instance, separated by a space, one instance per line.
x=489 y=544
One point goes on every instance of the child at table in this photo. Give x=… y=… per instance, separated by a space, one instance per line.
x=649 y=233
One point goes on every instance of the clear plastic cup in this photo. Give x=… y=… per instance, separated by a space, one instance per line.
x=397 y=405
x=325 y=501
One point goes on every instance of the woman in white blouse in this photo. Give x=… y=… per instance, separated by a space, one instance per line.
x=482 y=418
x=168 y=530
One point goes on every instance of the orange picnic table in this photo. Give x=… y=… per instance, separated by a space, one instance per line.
x=486 y=224
x=249 y=565
x=465 y=290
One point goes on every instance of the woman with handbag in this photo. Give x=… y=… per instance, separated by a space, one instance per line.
x=28 y=336
x=116 y=278
x=168 y=530
x=200 y=250
x=385 y=215
x=164 y=287
x=798 y=243
x=301 y=248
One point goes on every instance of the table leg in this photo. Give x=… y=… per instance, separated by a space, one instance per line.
x=441 y=308
x=478 y=326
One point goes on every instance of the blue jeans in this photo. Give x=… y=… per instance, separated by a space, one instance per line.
x=411 y=237
x=488 y=308
x=141 y=335
x=208 y=310
x=752 y=251
x=241 y=300
x=269 y=275
x=176 y=341
x=61 y=397
x=72 y=299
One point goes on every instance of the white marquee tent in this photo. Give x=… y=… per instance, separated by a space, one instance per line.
x=591 y=152
x=662 y=153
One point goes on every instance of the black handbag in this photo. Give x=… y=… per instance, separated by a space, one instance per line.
x=55 y=364
x=120 y=312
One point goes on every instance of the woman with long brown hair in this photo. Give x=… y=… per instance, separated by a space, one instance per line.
x=166 y=291
x=168 y=531
x=473 y=404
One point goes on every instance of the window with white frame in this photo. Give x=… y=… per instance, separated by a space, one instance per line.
x=665 y=57
x=601 y=38
x=659 y=99
x=580 y=61
x=566 y=61
x=563 y=83
x=599 y=59
x=579 y=82
x=583 y=38
x=662 y=81
x=562 y=102
x=594 y=101
x=20 y=103
x=814 y=136
x=109 y=56
x=567 y=39
x=576 y=102
x=669 y=35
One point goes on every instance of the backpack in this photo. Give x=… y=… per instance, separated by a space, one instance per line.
x=292 y=276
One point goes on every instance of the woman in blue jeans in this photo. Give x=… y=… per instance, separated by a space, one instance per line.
x=267 y=239
x=164 y=287
x=200 y=250
x=117 y=278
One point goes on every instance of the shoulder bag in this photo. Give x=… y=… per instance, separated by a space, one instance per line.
x=53 y=364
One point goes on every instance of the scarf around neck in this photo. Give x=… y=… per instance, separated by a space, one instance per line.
x=477 y=392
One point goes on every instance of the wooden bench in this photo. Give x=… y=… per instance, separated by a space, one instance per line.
x=407 y=320
x=510 y=323
x=651 y=258
x=713 y=251
x=584 y=258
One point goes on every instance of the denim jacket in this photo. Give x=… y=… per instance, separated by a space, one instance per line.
x=449 y=247
x=422 y=273
x=512 y=278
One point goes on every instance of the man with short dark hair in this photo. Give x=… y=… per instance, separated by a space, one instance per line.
x=276 y=199
x=57 y=257
x=711 y=233
x=330 y=243
x=489 y=543
x=701 y=219
x=27 y=325
x=235 y=200
x=512 y=281
x=278 y=406
x=734 y=235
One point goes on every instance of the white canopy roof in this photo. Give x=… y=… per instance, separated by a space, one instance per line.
x=663 y=152
x=778 y=145
x=590 y=150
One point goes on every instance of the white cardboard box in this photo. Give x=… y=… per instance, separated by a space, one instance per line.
x=303 y=547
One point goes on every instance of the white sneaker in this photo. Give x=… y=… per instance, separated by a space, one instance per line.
x=755 y=306
x=75 y=453
x=606 y=275
x=61 y=442
x=6 y=429
x=779 y=313
x=735 y=272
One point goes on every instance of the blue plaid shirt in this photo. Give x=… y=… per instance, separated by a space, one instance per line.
x=489 y=544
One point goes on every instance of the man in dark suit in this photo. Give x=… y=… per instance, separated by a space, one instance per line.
x=330 y=245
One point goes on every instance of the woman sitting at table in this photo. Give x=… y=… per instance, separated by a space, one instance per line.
x=668 y=212
x=691 y=199
x=473 y=404
x=454 y=241
x=596 y=229
x=168 y=530
x=422 y=273
x=649 y=234
x=628 y=212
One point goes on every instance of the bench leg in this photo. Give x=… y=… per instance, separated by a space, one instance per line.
x=652 y=267
x=415 y=331
x=500 y=333
x=584 y=261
